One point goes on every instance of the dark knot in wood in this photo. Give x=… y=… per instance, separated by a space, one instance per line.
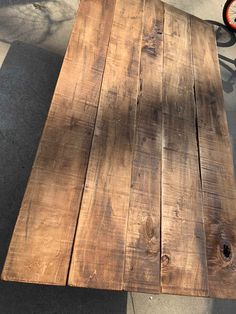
x=226 y=251
x=165 y=259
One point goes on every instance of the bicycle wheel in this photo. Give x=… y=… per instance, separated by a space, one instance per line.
x=229 y=14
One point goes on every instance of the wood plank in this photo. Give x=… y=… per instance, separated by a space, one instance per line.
x=219 y=194
x=142 y=261
x=99 y=249
x=183 y=259
x=42 y=241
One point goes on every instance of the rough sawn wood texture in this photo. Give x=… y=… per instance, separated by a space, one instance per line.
x=133 y=184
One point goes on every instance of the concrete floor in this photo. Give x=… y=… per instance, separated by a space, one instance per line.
x=27 y=80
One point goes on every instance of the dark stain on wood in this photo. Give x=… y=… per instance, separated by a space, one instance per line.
x=151 y=41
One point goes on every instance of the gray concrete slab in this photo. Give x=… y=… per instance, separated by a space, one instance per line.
x=166 y=304
x=43 y=23
x=27 y=79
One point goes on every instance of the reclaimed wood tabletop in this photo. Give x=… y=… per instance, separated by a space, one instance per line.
x=133 y=185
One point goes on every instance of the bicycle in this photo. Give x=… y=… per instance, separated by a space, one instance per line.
x=229 y=14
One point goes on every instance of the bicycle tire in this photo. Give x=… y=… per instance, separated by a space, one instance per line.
x=227 y=20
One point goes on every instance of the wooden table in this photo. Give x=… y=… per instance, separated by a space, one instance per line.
x=133 y=185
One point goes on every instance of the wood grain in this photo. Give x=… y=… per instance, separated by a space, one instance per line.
x=142 y=261
x=133 y=183
x=99 y=249
x=42 y=241
x=183 y=256
x=219 y=194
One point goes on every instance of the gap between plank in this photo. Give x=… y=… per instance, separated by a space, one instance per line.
x=196 y=124
x=82 y=192
x=198 y=149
